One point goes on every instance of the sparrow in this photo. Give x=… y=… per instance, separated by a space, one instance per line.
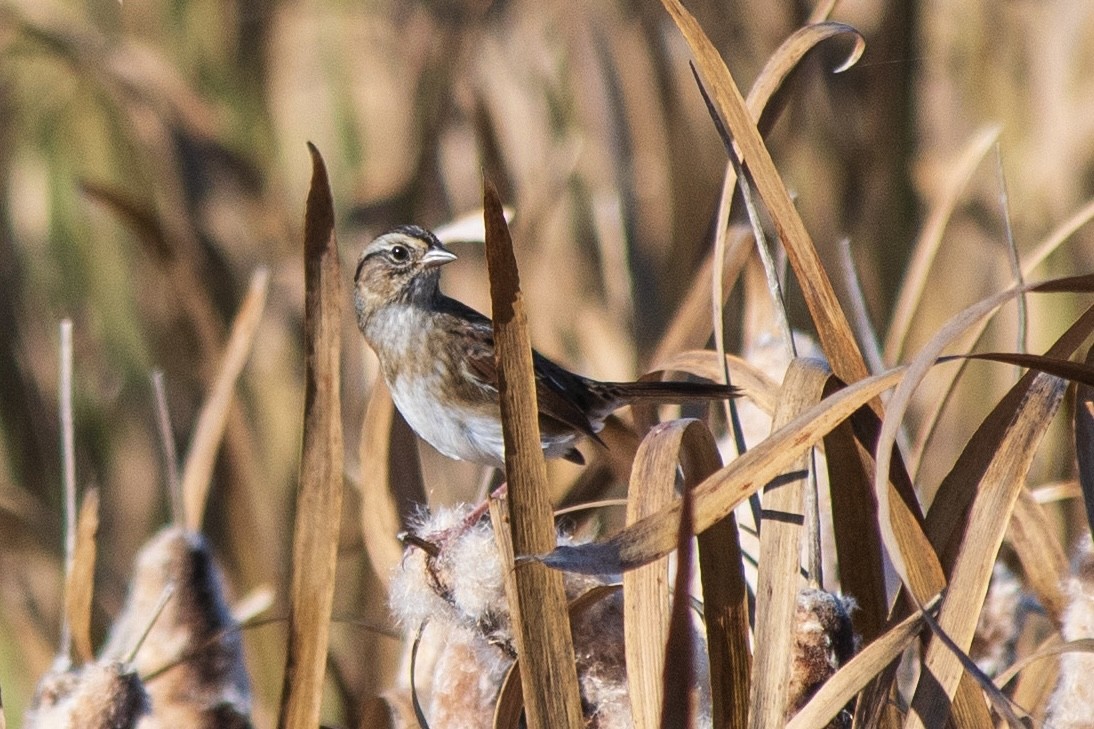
x=437 y=358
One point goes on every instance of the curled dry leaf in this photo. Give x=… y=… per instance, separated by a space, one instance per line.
x=646 y=589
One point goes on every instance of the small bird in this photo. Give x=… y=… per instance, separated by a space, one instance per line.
x=437 y=357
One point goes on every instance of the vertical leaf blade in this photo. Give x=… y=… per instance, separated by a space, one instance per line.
x=319 y=498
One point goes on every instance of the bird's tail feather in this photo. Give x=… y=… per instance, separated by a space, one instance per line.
x=656 y=391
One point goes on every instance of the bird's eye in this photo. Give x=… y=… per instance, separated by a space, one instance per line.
x=400 y=254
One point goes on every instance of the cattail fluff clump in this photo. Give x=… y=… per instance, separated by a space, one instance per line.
x=451 y=580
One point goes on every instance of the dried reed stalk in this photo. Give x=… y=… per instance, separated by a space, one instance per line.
x=778 y=581
x=537 y=601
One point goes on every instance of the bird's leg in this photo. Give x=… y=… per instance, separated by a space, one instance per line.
x=480 y=511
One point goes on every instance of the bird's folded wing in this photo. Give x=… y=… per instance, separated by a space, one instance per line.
x=557 y=407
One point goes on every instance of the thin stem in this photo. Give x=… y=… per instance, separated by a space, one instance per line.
x=68 y=462
x=167 y=444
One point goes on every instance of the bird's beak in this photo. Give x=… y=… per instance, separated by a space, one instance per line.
x=435 y=257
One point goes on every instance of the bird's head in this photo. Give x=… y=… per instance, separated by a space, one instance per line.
x=402 y=266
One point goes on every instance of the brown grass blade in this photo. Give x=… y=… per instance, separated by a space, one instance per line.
x=719 y=494
x=930 y=239
x=319 y=499
x=1084 y=442
x=969 y=709
x=677 y=711
x=834 y=694
x=537 y=601
x=988 y=516
x=197 y=472
x=832 y=326
x=646 y=589
x=951 y=504
x=80 y=581
x=778 y=578
x=390 y=482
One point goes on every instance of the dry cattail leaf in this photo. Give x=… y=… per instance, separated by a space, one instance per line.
x=989 y=513
x=690 y=327
x=536 y=599
x=907 y=550
x=900 y=525
x=192 y=655
x=319 y=499
x=832 y=327
x=778 y=580
x=80 y=582
x=957 y=490
x=197 y=473
x=1039 y=551
x=723 y=491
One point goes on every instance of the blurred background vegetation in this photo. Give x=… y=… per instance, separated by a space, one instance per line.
x=152 y=156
